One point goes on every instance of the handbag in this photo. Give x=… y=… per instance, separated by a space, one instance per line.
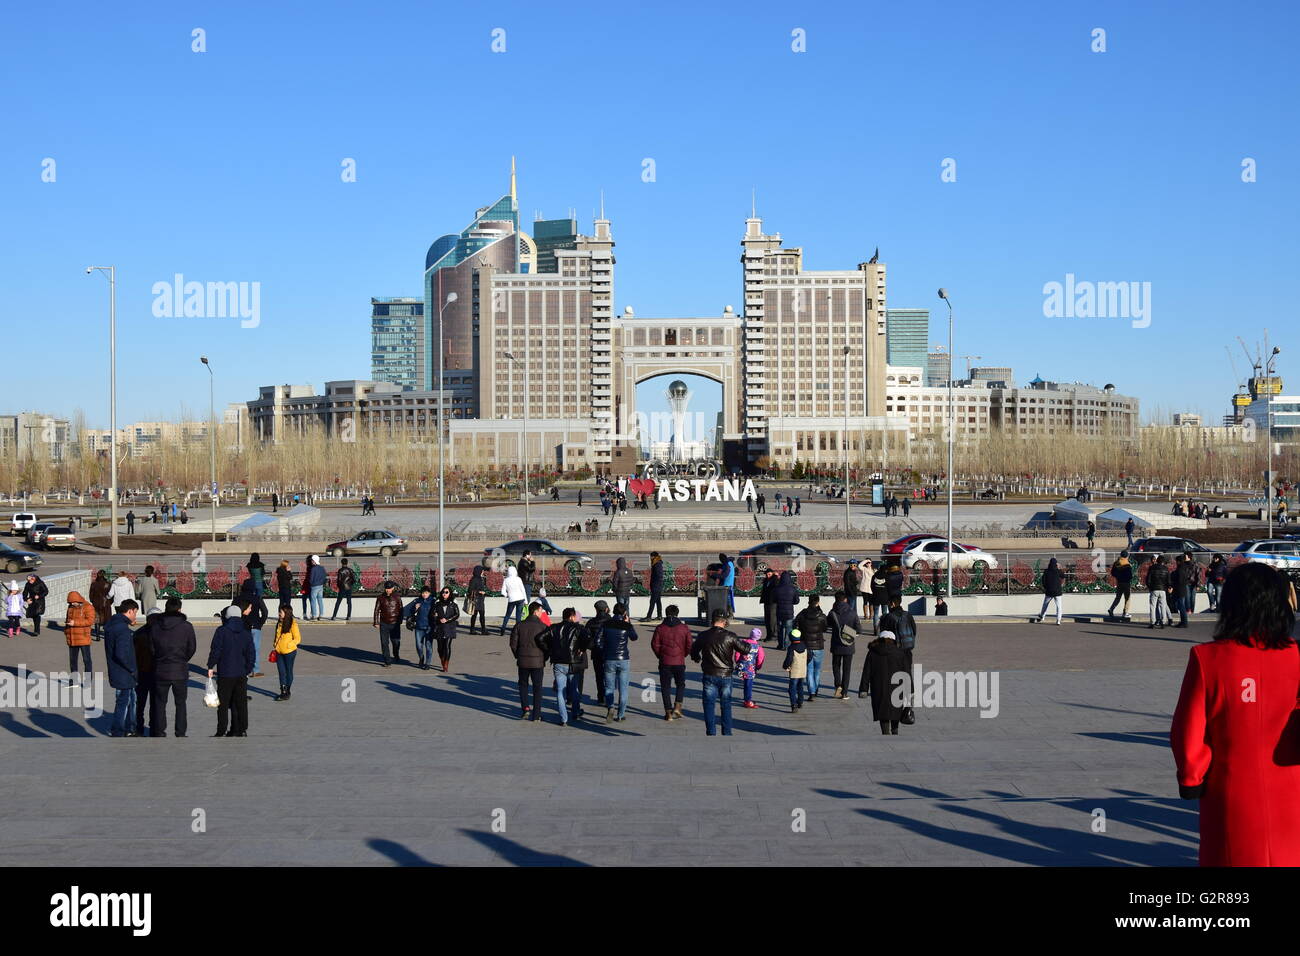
x=272 y=657
x=210 y=698
x=908 y=716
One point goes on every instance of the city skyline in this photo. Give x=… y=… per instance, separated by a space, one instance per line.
x=1105 y=175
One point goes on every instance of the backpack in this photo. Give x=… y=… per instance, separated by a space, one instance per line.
x=906 y=633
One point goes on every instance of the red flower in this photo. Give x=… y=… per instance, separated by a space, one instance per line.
x=1083 y=572
x=807 y=580
x=744 y=579
x=1022 y=574
x=185 y=582
x=462 y=575
x=371 y=577
x=557 y=578
x=218 y=579
x=591 y=580
x=494 y=581
x=960 y=579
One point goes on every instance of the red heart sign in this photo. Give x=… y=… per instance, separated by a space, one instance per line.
x=642 y=486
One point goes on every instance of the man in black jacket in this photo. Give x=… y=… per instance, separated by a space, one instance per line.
x=345 y=579
x=899 y=622
x=174 y=644
x=1158 y=586
x=251 y=598
x=1185 y=578
x=530 y=661
x=230 y=660
x=715 y=651
x=811 y=623
x=656 y=610
x=561 y=644
x=596 y=627
x=768 y=601
x=615 y=638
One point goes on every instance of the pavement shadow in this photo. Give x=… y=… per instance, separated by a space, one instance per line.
x=517 y=853
x=1159 y=738
x=1119 y=710
x=56 y=724
x=399 y=854
x=1140 y=632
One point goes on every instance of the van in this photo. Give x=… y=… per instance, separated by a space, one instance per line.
x=21 y=522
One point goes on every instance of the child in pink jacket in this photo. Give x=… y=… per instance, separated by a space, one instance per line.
x=748 y=664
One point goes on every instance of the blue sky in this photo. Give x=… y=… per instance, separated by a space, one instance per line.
x=224 y=166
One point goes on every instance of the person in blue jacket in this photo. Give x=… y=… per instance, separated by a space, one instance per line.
x=417 y=612
x=729 y=580
x=123 y=672
x=230 y=660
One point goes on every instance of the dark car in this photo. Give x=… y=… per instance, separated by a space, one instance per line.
x=781 y=555
x=1145 y=549
x=14 y=561
x=544 y=552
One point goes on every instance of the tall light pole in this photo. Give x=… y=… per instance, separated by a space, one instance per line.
x=442 y=574
x=524 y=440
x=111 y=272
x=212 y=439
x=1268 y=411
x=952 y=421
x=848 y=494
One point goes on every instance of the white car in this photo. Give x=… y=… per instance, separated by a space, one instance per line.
x=21 y=522
x=927 y=553
x=1276 y=552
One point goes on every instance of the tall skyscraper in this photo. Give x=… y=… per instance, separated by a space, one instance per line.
x=452 y=264
x=550 y=235
x=396 y=340
x=907 y=336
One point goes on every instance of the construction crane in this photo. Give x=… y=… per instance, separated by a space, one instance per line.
x=968 y=359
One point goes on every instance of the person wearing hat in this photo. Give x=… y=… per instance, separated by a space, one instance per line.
x=886 y=669
x=34 y=594
x=316 y=588
x=14 y=609
x=230 y=661
x=388 y=618
x=796 y=665
x=749 y=664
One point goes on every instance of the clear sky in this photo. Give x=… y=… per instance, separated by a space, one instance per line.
x=225 y=166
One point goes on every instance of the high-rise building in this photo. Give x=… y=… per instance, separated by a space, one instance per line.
x=907 y=336
x=993 y=373
x=550 y=235
x=938 y=369
x=492 y=241
x=33 y=436
x=396 y=340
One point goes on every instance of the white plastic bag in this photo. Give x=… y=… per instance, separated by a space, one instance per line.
x=210 y=695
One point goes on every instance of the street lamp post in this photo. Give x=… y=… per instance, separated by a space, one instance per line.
x=848 y=493
x=442 y=574
x=1268 y=427
x=111 y=272
x=212 y=439
x=943 y=294
x=524 y=440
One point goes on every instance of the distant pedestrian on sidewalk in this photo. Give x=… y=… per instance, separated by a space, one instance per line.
x=1122 y=572
x=1158 y=588
x=656 y=609
x=512 y=589
x=345 y=579
x=1053 y=588
x=474 y=595
x=284 y=584
x=1128 y=530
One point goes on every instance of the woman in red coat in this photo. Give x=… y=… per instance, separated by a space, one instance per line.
x=1236 y=733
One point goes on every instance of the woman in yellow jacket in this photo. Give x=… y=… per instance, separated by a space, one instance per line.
x=287 y=639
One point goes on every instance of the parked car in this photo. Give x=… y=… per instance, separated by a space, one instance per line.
x=508 y=554
x=931 y=552
x=781 y=555
x=899 y=545
x=1277 y=552
x=59 y=538
x=20 y=522
x=1145 y=549
x=383 y=543
x=36 y=533
x=15 y=561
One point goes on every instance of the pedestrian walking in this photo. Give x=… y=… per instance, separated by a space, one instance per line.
x=615 y=644
x=1128 y=530
x=1122 y=572
x=530 y=661
x=749 y=663
x=1053 y=588
x=173 y=644
x=796 y=666
x=77 y=626
x=888 y=676
x=287 y=639
x=230 y=661
x=1237 y=752
x=656 y=609
x=144 y=686
x=35 y=591
x=844 y=626
x=561 y=643
x=443 y=617
x=715 y=650
x=345 y=579
x=512 y=589
x=811 y=623
x=123 y=674
x=388 y=619
x=474 y=596
x=671 y=643
x=417 y=617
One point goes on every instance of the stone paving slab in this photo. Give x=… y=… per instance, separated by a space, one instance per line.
x=432 y=769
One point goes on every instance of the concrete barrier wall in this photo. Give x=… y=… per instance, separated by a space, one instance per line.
x=60 y=584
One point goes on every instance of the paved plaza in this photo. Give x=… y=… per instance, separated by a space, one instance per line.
x=427 y=768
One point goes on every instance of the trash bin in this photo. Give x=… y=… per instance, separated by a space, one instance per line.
x=713 y=598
